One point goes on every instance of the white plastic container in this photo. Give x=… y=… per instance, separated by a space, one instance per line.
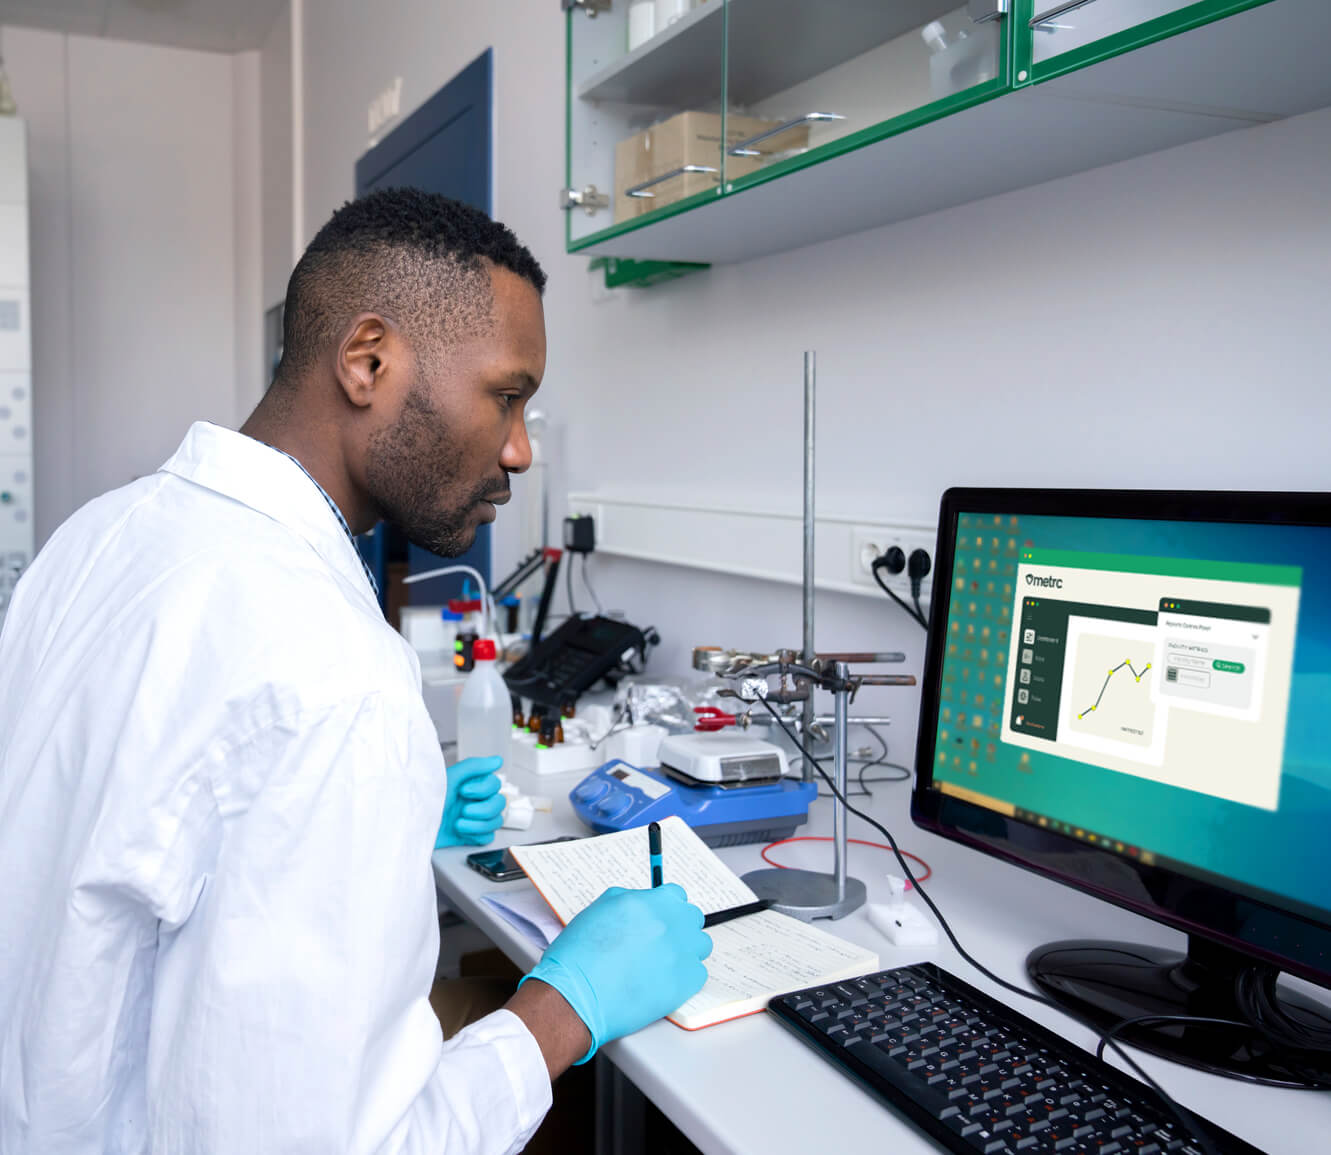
x=642 y=22
x=958 y=62
x=669 y=11
x=485 y=710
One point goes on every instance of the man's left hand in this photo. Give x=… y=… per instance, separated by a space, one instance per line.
x=473 y=806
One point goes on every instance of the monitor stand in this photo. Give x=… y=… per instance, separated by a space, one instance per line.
x=1108 y=982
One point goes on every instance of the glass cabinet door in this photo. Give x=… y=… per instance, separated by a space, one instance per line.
x=801 y=75
x=1056 y=27
x=644 y=109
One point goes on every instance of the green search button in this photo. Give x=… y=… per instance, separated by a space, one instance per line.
x=1228 y=667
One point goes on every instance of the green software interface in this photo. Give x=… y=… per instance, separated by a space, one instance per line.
x=1160 y=689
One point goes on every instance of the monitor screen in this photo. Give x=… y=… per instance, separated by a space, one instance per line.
x=1130 y=692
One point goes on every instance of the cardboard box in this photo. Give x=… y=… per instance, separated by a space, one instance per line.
x=691 y=138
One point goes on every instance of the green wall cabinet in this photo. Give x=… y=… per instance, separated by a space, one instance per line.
x=711 y=131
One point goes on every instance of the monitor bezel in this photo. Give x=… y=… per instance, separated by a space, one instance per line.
x=1243 y=921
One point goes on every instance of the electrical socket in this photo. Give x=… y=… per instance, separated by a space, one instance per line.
x=869 y=542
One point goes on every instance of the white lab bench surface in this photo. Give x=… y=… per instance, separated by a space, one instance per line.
x=749 y=1087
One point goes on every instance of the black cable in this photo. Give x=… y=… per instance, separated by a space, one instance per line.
x=866 y=764
x=917 y=615
x=1287 y=1030
x=1124 y=1024
x=920 y=609
x=1315 y=1081
x=568 y=587
x=881 y=760
x=1184 y=1117
x=588 y=585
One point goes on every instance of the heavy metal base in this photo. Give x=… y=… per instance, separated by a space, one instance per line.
x=806 y=894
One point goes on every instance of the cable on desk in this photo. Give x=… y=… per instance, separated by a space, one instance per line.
x=1189 y=1123
x=866 y=764
x=928 y=870
x=881 y=760
x=1313 y=1081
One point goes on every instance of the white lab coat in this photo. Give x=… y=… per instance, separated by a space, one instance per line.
x=219 y=791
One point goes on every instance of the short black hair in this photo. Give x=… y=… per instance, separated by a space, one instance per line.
x=416 y=257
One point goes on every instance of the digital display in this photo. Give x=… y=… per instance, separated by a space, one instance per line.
x=1158 y=688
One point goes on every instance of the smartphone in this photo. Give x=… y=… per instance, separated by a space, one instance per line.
x=500 y=865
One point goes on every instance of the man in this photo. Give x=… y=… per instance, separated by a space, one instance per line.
x=219 y=787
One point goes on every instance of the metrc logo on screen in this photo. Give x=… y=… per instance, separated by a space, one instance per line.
x=1046 y=583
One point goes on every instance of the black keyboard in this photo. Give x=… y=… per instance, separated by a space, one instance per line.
x=978 y=1076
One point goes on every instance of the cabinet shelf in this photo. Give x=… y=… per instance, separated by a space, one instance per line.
x=1257 y=65
x=774 y=45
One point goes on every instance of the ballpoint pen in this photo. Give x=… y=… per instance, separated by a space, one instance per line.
x=654 y=851
x=717 y=917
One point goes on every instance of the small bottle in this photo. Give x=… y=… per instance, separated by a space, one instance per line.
x=935 y=36
x=485 y=710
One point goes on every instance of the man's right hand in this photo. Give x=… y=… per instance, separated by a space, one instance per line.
x=629 y=958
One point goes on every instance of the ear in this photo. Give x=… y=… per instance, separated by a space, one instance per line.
x=362 y=357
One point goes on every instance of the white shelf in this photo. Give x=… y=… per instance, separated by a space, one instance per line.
x=1257 y=66
x=774 y=45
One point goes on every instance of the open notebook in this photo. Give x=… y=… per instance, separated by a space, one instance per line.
x=754 y=958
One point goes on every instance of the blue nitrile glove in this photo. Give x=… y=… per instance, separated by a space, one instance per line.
x=473 y=806
x=626 y=960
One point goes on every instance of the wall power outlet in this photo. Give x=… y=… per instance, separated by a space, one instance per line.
x=867 y=543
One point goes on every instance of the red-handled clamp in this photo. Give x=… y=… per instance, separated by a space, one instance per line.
x=712 y=718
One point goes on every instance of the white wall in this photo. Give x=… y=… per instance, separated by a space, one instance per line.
x=1154 y=323
x=249 y=374
x=145 y=247
x=275 y=146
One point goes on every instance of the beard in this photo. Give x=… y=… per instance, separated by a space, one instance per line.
x=414 y=473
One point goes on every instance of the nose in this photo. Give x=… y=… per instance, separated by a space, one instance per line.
x=516 y=454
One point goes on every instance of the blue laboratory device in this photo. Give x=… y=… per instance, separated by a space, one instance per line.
x=618 y=796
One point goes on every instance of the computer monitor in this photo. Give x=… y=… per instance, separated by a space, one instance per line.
x=1130 y=693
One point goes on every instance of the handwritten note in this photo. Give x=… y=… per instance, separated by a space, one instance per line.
x=572 y=875
x=753 y=958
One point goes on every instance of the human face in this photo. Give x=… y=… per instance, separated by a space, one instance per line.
x=440 y=469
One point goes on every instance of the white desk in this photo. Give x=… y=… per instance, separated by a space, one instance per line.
x=750 y=1088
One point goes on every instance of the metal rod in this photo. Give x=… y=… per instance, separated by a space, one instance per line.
x=853 y=720
x=745 y=147
x=1056 y=11
x=863 y=659
x=640 y=189
x=810 y=392
x=841 y=698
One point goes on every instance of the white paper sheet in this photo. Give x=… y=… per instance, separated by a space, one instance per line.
x=527 y=911
x=572 y=875
x=759 y=956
